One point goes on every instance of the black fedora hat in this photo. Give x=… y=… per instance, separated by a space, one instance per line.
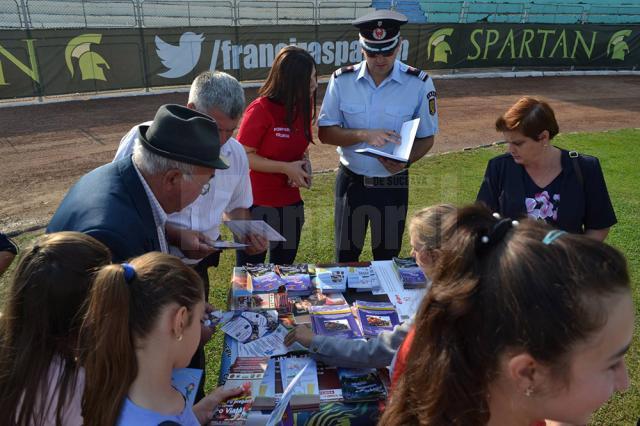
x=184 y=135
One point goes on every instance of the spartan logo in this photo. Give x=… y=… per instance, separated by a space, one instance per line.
x=441 y=48
x=617 y=47
x=91 y=64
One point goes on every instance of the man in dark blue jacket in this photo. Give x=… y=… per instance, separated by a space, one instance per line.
x=125 y=204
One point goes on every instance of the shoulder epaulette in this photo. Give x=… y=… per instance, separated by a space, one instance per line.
x=343 y=70
x=422 y=75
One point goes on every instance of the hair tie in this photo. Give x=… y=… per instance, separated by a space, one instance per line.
x=552 y=236
x=129 y=272
x=495 y=234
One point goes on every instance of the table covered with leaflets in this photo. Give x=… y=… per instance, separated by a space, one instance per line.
x=353 y=301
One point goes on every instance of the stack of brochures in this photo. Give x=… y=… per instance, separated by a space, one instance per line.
x=296 y=279
x=410 y=273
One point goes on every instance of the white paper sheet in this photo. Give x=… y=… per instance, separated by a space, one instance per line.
x=241 y=228
x=405 y=301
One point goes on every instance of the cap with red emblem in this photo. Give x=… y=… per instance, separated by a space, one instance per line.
x=380 y=30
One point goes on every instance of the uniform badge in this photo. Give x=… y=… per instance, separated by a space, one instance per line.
x=432 y=106
x=379 y=33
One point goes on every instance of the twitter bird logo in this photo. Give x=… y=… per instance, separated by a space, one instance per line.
x=180 y=59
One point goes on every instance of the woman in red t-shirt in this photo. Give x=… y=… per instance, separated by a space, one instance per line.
x=276 y=132
x=522 y=323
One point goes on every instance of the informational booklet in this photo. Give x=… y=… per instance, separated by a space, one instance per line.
x=292 y=384
x=186 y=381
x=376 y=317
x=362 y=278
x=266 y=396
x=334 y=321
x=248 y=373
x=401 y=151
x=410 y=273
x=246 y=326
x=329 y=383
x=301 y=305
x=263 y=277
x=361 y=385
x=269 y=345
x=331 y=279
x=242 y=228
x=261 y=301
x=306 y=392
x=296 y=278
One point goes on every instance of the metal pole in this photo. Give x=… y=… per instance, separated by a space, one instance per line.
x=84 y=14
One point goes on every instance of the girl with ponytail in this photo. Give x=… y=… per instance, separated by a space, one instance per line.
x=521 y=323
x=142 y=322
x=40 y=380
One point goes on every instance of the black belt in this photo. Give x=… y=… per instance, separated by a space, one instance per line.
x=398 y=180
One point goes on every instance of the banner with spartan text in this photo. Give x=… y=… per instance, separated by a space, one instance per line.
x=54 y=62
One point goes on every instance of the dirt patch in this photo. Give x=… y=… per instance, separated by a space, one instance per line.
x=45 y=148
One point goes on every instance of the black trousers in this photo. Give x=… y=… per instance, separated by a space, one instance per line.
x=360 y=201
x=198 y=360
x=288 y=221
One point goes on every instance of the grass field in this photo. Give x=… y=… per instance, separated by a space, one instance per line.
x=455 y=178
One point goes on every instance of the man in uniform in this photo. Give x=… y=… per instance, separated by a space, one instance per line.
x=365 y=105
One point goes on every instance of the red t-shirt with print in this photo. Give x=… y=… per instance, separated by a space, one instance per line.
x=264 y=128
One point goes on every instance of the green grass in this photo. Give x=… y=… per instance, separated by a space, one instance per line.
x=455 y=178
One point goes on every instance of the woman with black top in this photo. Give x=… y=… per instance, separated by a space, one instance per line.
x=538 y=180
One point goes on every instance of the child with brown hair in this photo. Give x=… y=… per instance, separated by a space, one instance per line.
x=521 y=323
x=41 y=382
x=142 y=322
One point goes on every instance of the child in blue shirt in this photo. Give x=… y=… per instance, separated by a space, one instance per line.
x=143 y=321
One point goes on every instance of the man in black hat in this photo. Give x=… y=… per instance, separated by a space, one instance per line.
x=125 y=204
x=364 y=106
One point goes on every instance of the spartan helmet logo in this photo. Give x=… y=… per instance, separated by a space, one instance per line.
x=441 y=48
x=91 y=64
x=617 y=47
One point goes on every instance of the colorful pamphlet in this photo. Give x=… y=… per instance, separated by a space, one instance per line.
x=296 y=279
x=265 y=399
x=247 y=373
x=186 y=381
x=306 y=392
x=246 y=326
x=331 y=279
x=410 y=273
x=362 y=278
x=300 y=306
x=270 y=345
x=240 y=286
x=361 y=385
x=329 y=383
x=263 y=277
x=260 y=301
x=334 y=321
x=376 y=317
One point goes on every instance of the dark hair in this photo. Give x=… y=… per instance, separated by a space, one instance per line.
x=288 y=83
x=119 y=313
x=530 y=117
x=509 y=287
x=41 y=318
